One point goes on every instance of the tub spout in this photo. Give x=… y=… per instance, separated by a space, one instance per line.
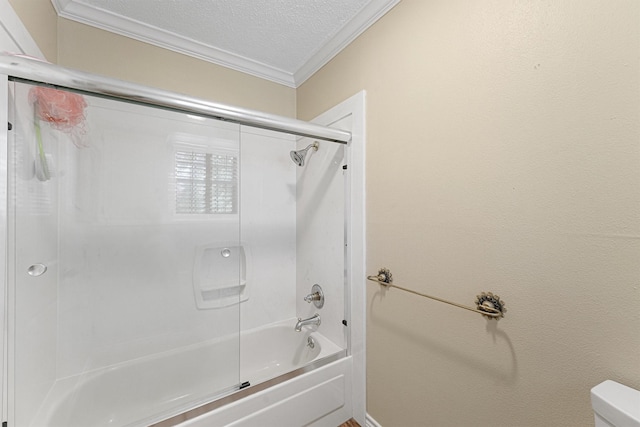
x=314 y=320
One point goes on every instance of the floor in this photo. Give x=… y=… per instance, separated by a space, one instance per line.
x=350 y=423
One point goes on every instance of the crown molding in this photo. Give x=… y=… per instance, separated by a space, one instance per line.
x=80 y=12
x=141 y=31
x=373 y=11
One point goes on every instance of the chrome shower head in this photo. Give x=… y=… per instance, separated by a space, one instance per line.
x=298 y=156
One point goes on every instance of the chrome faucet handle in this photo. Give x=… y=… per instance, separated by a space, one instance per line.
x=312 y=297
x=316 y=296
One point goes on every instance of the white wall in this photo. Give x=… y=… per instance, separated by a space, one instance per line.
x=321 y=235
x=503 y=155
x=268 y=225
x=126 y=290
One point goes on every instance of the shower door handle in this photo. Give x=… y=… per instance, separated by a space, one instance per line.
x=36 y=270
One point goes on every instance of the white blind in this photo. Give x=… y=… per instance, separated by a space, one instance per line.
x=206 y=183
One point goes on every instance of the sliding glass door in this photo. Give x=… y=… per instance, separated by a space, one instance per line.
x=125 y=264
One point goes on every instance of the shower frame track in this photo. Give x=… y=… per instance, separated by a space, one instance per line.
x=21 y=68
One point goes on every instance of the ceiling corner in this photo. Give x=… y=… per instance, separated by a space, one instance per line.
x=373 y=11
x=59 y=5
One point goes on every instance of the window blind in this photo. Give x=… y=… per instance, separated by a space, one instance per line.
x=206 y=183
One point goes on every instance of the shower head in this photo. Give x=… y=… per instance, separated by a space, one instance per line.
x=298 y=156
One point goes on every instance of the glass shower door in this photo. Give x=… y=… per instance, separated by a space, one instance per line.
x=125 y=266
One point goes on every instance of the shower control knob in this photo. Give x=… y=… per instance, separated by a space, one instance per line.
x=316 y=296
x=312 y=297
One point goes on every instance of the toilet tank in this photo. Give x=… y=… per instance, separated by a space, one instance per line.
x=615 y=405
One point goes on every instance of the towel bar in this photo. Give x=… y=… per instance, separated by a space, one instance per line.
x=487 y=304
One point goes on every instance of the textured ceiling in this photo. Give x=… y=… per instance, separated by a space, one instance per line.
x=281 y=40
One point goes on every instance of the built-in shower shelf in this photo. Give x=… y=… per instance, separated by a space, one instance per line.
x=225 y=296
x=219 y=275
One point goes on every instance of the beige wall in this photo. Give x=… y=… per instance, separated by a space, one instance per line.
x=503 y=154
x=100 y=52
x=40 y=18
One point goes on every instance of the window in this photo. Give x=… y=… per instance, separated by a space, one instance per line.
x=206 y=182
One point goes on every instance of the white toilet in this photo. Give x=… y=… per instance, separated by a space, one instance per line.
x=615 y=405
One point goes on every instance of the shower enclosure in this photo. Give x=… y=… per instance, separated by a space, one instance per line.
x=157 y=257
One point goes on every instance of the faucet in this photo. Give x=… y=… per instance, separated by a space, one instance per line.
x=314 y=320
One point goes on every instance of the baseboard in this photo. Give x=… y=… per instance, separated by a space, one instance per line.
x=370 y=422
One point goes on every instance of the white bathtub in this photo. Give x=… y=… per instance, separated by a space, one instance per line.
x=147 y=390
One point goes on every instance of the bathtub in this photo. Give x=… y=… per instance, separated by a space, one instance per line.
x=149 y=390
